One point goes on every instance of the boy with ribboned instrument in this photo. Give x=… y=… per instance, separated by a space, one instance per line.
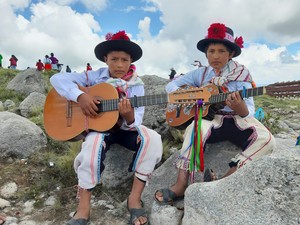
x=235 y=122
x=118 y=52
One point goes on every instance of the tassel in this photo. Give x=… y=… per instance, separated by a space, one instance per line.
x=197 y=155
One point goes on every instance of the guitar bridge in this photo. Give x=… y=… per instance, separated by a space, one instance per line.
x=69 y=113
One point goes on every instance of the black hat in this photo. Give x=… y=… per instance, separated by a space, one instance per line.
x=218 y=32
x=119 y=42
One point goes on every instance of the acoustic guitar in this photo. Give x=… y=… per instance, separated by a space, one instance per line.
x=64 y=120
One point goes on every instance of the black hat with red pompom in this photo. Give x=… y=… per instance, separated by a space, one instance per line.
x=219 y=33
x=118 y=42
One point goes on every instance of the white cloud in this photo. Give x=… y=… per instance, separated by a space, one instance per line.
x=149 y=9
x=144 y=27
x=129 y=9
x=266 y=65
x=52 y=28
x=95 y=5
x=18 y=4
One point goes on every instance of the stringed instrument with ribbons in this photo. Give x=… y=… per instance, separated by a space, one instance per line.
x=181 y=114
x=64 y=120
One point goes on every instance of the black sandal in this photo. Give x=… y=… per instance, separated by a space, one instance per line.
x=169 y=197
x=135 y=214
x=79 y=221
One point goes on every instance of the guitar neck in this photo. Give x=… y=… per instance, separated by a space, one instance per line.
x=136 y=101
x=247 y=93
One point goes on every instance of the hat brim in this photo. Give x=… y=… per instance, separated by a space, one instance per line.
x=202 y=44
x=131 y=48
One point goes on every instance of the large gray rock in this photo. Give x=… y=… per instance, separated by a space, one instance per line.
x=154 y=117
x=264 y=192
x=19 y=136
x=28 y=81
x=116 y=162
x=217 y=156
x=34 y=102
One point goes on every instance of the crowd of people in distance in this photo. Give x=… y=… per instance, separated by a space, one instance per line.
x=48 y=63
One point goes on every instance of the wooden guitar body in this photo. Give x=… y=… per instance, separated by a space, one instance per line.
x=181 y=115
x=64 y=120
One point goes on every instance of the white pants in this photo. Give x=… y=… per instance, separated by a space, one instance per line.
x=261 y=141
x=89 y=162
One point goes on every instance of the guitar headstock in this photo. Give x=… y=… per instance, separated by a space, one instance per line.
x=284 y=89
x=189 y=95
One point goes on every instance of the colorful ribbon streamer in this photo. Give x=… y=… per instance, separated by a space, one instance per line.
x=197 y=154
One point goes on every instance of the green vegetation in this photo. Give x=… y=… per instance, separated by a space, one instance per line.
x=268 y=102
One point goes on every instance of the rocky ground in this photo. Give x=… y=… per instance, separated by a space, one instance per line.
x=56 y=205
x=108 y=206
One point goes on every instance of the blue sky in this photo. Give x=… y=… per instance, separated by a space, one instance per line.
x=167 y=31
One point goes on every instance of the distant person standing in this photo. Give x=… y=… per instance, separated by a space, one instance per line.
x=1 y=61
x=47 y=62
x=54 y=61
x=88 y=67
x=68 y=69
x=172 y=74
x=13 y=62
x=40 y=65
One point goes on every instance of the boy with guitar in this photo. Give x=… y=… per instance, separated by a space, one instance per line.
x=234 y=121
x=118 y=52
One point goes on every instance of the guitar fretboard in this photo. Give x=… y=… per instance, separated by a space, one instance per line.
x=136 y=101
x=247 y=93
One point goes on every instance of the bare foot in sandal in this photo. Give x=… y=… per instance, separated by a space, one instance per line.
x=167 y=197
x=175 y=192
x=138 y=215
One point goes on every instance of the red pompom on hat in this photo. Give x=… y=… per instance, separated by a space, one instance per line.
x=118 y=42
x=219 y=33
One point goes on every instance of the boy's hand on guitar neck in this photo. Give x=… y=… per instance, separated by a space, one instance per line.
x=126 y=110
x=236 y=103
x=88 y=105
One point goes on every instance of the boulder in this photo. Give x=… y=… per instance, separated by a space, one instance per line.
x=28 y=81
x=19 y=137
